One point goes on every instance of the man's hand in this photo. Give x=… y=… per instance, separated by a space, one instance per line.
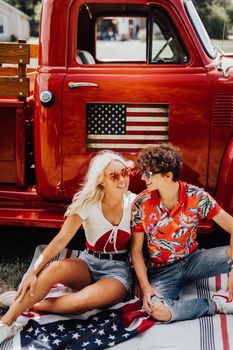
x=147 y=294
x=28 y=284
x=230 y=286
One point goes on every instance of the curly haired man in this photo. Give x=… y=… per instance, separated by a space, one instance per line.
x=167 y=215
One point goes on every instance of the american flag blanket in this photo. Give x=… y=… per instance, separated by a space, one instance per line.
x=124 y=326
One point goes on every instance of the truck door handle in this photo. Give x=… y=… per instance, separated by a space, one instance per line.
x=73 y=85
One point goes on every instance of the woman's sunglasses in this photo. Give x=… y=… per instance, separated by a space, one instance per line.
x=116 y=175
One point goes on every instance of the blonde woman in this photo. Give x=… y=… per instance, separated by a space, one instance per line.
x=101 y=276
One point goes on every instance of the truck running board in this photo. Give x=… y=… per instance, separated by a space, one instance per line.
x=26 y=208
x=35 y=217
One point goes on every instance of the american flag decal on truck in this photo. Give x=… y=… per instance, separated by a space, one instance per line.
x=126 y=127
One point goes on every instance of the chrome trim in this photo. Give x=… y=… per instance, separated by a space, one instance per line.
x=73 y=85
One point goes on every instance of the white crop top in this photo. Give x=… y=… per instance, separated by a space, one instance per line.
x=101 y=235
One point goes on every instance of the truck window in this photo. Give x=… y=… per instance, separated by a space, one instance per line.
x=121 y=39
x=166 y=44
x=1 y=25
x=200 y=29
x=128 y=34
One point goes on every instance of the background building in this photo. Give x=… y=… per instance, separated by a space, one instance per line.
x=14 y=24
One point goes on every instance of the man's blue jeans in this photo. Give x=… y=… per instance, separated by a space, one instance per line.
x=170 y=280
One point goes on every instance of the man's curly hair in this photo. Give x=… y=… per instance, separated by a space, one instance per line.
x=162 y=158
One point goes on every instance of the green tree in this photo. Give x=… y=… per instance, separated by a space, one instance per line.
x=230 y=14
x=28 y=7
x=215 y=16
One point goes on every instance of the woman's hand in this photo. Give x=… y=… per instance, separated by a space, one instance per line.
x=137 y=290
x=29 y=283
x=148 y=293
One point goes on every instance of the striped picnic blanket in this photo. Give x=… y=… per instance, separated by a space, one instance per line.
x=124 y=326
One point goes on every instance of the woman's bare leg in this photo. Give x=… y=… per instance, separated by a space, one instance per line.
x=73 y=273
x=105 y=292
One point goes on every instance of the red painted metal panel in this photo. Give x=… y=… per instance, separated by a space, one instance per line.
x=31 y=217
x=12 y=103
x=24 y=207
x=47 y=137
x=224 y=193
x=220 y=133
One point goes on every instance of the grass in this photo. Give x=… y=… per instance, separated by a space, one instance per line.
x=17 y=246
x=11 y=273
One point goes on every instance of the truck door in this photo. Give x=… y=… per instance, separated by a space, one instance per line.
x=134 y=79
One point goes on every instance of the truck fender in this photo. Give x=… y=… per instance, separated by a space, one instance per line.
x=224 y=192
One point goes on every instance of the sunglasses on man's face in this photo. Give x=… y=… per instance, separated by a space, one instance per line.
x=148 y=174
x=116 y=175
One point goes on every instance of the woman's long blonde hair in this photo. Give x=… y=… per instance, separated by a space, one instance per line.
x=92 y=190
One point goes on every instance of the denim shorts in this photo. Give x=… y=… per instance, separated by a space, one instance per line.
x=100 y=268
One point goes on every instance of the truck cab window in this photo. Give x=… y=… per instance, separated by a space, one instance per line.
x=1 y=25
x=125 y=33
x=121 y=39
x=200 y=29
x=166 y=44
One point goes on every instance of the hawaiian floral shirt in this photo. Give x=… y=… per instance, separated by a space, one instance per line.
x=171 y=235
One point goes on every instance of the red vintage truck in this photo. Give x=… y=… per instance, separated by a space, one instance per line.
x=111 y=75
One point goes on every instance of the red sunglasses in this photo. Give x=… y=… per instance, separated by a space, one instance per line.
x=116 y=175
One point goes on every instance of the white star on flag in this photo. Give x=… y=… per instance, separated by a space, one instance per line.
x=45 y=339
x=98 y=341
x=75 y=336
x=85 y=343
x=126 y=335
x=111 y=344
x=61 y=327
x=56 y=341
x=111 y=336
x=37 y=331
x=54 y=335
x=114 y=327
